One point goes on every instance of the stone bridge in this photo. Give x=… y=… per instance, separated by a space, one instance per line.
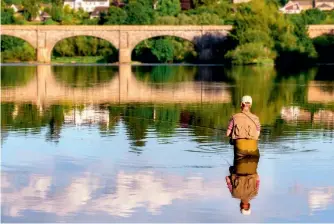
x=124 y=38
x=45 y=90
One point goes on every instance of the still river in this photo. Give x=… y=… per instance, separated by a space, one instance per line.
x=146 y=143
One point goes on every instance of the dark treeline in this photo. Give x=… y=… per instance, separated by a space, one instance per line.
x=261 y=33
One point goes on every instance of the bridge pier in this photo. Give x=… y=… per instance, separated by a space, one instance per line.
x=43 y=55
x=124 y=55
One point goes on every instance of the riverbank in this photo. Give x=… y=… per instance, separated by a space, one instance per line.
x=81 y=59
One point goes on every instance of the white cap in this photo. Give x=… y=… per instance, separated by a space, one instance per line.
x=246 y=99
x=246 y=212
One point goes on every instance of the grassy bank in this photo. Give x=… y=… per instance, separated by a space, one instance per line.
x=80 y=59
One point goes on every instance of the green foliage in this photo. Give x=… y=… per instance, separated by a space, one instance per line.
x=166 y=119
x=13 y=76
x=165 y=74
x=49 y=22
x=163 y=49
x=85 y=46
x=329 y=18
x=314 y=16
x=171 y=50
x=7 y=16
x=324 y=46
x=137 y=120
x=198 y=3
x=115 y=16
x=68 y=20
x=90 y=21
x=76 y=76
x=15 y=2
x=270 y=90
x=57 y=2
x=168 y=7
x=166 y=20
x=251 y=53
x=79 y=15
x=9 y=43
x=282 y=38
x=259 y=24
x=184 y=51
x=139 y=14
x=57 y=13
x=24 y=53
x=15 y=49
x=19 y=20
x=31 y=8
x=47 y=10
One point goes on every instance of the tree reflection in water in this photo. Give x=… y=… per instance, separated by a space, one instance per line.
x=273 y=95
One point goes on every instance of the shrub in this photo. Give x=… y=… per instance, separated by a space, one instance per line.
x=250 y=53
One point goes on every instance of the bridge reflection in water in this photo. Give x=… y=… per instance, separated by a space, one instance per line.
x=44 y=89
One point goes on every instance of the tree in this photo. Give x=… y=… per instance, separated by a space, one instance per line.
x=9 y=43
x=57 y=2
x=49 y=22
x=67 y=10
x=250 y=53
x=81 y=14
x=139 y=14
x=168 y=7
x=116 y=16
x=68 y=20
x=198 y=3
x=163 y=50
x=31 y=8
x=57 y=13
x=314 y=16
x=324 y=45
x=259 y=23
x=7 y=16
x=15 y=2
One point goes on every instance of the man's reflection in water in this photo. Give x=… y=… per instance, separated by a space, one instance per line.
x=244 y=180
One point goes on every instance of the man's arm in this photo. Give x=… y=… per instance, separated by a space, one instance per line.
x=229 y=184
x=229 y=128
x=258 y=128
x=228 y=133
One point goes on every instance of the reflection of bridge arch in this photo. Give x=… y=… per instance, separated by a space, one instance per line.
x=124 y=88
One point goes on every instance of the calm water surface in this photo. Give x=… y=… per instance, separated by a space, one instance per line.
x=146 y=144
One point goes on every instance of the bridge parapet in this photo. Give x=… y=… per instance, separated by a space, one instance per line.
x=318 y=30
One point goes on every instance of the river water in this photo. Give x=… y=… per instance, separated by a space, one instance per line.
x=146 y=143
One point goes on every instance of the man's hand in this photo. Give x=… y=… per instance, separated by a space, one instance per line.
x=228 y=133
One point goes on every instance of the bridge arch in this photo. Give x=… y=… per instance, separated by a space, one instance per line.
x=31 y=39
x=146 y=54
x=16 y=49
x=190 y=36
x=64 y=35
x=55 y=41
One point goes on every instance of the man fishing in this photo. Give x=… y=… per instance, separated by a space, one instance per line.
x=244 y=130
